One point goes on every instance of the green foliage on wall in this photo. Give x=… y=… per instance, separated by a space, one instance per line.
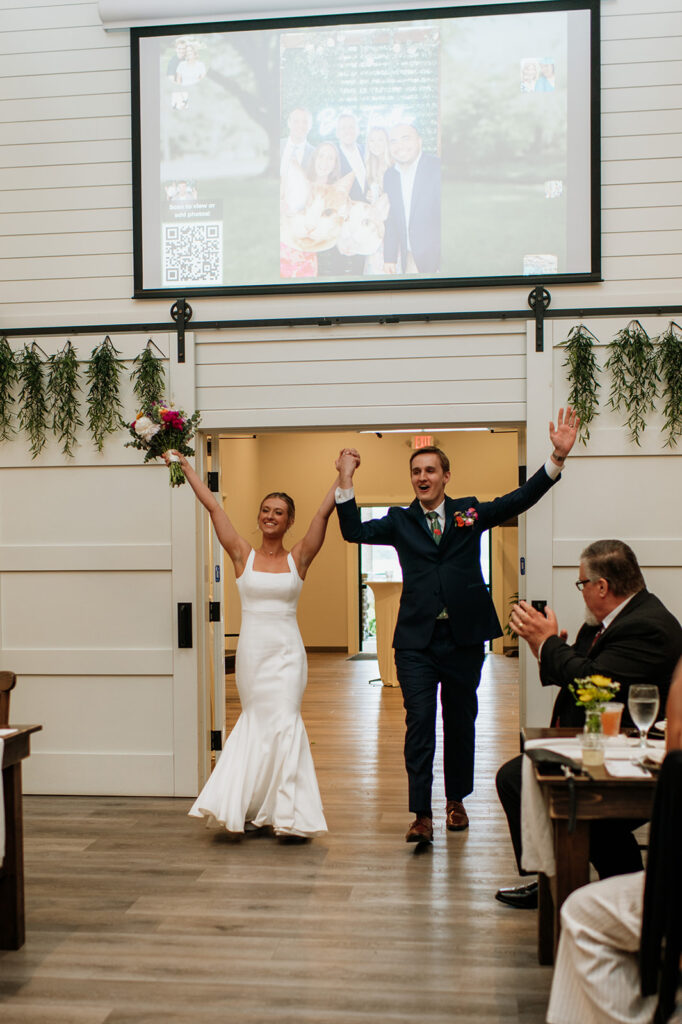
x=8 y=379
x=103 y=378
x=33 y=409
x=63 y=386
x=641 y=370
x=582 y=373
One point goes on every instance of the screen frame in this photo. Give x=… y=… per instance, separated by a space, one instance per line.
x=392 y=283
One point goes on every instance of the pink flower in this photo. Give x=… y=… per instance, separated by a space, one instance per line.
x=172 y=419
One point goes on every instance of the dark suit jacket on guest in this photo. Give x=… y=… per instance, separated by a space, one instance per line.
x=424 y=216
x=446 y=574
x=641 y=645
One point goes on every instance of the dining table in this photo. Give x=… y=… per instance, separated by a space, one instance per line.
x=15 y=741
x=556 y=811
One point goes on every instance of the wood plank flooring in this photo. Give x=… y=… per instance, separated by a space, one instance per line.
x=137 y=914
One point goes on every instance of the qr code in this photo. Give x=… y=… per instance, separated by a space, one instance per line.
x=193 y=253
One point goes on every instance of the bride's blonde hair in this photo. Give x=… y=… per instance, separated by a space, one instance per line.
x=286 y=499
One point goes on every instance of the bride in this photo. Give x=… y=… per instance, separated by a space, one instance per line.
x=265 y=774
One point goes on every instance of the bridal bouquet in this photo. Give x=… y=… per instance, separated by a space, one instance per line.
x=159 y=428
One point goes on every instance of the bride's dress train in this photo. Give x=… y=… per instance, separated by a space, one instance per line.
x=265 y=774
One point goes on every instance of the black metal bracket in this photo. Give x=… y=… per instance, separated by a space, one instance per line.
x=216 y=739
x=184 y=624
x=181 y=312
x=539 y=300
x=212 y=479
x=214 y=611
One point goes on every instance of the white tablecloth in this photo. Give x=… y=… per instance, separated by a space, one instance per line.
x=537 y=837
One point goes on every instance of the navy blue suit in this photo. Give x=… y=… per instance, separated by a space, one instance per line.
x=449 y=651
x=424 y=217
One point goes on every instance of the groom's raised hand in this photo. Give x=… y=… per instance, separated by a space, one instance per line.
x=346 y=464
x=564 y=434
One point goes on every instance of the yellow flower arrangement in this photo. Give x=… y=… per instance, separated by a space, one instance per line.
x=590 y=693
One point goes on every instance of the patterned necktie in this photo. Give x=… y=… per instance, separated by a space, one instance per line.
x=434 y=523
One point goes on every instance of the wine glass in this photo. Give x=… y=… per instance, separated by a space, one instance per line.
x=643 y=703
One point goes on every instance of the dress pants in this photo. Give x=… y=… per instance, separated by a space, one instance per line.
x=613 y=848
x=458 y=670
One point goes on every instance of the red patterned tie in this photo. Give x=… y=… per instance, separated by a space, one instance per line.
x=596 y=636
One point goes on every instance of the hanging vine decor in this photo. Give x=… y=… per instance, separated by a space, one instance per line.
x=582 y=376
x=62 y=391
x=148 y=376
x=670 y=373
x=33 y=410
x=8 y=378
x=104 y=406
x=634 y=376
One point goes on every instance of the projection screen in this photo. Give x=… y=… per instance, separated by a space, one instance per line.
x=411 y=149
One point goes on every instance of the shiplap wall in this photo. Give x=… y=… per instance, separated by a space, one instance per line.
x=65 y=214
x=66 y=258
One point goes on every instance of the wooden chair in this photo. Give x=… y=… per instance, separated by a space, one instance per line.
x=7 y=682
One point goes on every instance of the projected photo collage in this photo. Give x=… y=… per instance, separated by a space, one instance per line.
x=364 y=152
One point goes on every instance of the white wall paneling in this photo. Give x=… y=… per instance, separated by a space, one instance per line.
x=88 y=586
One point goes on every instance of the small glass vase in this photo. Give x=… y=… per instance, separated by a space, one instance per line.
x=592 y=739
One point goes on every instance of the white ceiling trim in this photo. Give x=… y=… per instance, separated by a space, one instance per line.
x=124 y=14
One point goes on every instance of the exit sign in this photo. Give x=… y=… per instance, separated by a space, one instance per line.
x=422 y=441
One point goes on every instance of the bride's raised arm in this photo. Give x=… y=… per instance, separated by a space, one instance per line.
x=235 y=545
x=305 y=550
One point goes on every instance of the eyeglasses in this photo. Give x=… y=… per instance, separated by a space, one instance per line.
x=581 y=583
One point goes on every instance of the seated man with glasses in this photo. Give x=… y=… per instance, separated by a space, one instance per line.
x=628 y=636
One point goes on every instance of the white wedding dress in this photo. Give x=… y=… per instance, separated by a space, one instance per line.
x=265 y=774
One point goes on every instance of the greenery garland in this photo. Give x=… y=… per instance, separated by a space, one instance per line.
x=634 y=376
x=62 y=391
x=670 y=374
x=33 y=409
x=8 y=378
x=148 y=376
x=103 y=379
x=582 y=376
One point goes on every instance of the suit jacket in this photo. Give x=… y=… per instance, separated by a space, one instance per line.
x=424 y=216
x=448 y=573
x=642 y=645
x=356 y=192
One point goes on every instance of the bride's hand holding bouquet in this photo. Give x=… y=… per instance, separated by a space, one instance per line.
x=159 y=429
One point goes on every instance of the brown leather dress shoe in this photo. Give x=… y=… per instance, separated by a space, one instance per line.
x=455 y=816
x=420 y=831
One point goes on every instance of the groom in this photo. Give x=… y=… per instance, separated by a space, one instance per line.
x=445 y=613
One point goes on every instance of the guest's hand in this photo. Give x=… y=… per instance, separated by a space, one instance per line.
x=532 y=625
x=564 y=434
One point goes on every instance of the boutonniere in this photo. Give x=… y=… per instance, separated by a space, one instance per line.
x=467 y=518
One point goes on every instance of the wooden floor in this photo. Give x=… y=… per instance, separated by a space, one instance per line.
x=136 y=913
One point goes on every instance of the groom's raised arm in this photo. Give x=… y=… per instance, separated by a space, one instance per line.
x=376 y=531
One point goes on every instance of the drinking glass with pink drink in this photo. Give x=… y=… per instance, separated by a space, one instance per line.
x=610 y=718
